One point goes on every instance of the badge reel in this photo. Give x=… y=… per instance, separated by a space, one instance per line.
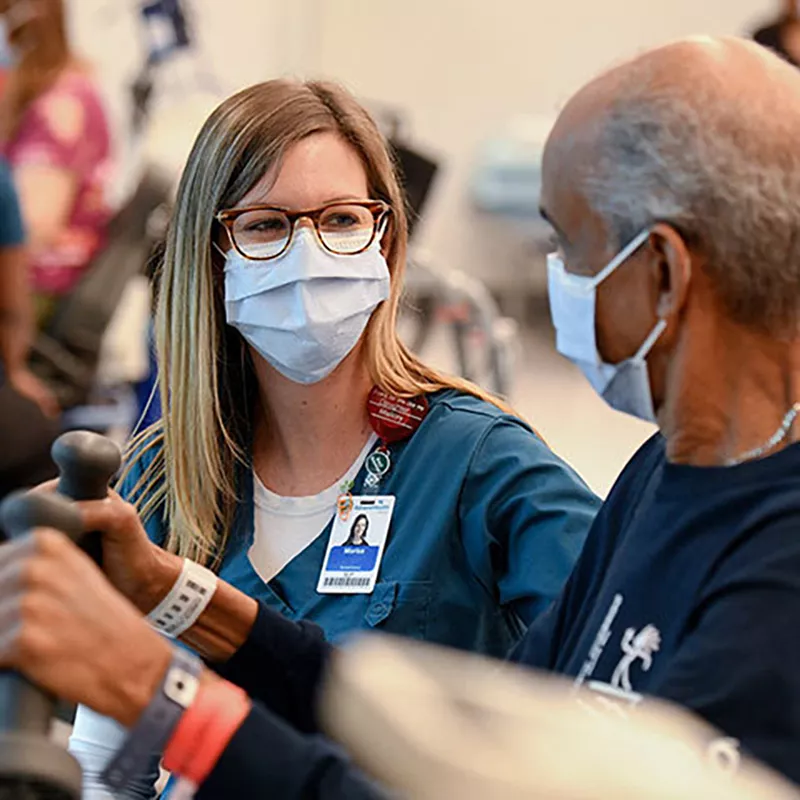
x=361 y=527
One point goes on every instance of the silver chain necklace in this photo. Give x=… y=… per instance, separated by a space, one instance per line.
x=772 y=442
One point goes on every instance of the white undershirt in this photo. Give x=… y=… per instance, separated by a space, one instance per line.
x=285 y=526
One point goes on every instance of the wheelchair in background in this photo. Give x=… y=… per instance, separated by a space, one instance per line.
x=71 y=355
x=482 y=341
x=94 y=349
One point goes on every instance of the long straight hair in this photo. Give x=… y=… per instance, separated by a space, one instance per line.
x=44 y=53
x=206 y=380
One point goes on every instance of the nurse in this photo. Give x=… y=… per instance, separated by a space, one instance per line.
x=292 y=408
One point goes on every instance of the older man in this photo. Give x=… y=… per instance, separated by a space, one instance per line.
x=674 y=191
x=674 y=185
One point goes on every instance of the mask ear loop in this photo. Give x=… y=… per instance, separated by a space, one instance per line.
x=652 y=338
x=383 y=227
x=621 y=257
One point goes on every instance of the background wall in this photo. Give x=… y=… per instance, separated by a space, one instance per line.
x=239 y=42
x=462 y=68
x=457 y=68
x=459 y=71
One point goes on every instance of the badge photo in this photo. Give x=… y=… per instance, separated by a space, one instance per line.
x=355 y=548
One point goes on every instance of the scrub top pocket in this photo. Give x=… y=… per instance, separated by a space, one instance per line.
x=400 y=607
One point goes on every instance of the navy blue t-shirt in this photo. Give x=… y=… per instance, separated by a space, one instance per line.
x=688 y=588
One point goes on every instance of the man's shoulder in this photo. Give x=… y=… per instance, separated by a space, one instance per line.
x=630 y=494
x=637 y=472
x=765 y=553
x=652 y=453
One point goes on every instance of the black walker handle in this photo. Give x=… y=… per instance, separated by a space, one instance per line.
x=31 y=766
x=87 y=462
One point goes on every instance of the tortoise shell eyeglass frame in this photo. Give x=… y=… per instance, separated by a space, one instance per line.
x=227 y=218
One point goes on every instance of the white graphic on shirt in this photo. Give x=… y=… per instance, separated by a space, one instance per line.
x=636 y=647
x=600 y=641
x=724 y=754
x=618 y=697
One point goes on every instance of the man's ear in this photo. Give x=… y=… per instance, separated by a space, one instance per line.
x=674 y=265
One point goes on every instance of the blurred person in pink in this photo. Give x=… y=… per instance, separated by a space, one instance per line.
x=56 y=137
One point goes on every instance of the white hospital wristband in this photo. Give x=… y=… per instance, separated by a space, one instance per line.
x=186 y=601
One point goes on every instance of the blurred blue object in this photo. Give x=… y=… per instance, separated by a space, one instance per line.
x=165 y=22
x=507 y=177
x=148 y=400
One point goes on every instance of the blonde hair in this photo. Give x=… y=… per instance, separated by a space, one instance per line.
x=206 y=379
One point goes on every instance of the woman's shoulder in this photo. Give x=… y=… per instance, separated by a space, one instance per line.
x=141 y=470
x=466 y=413
x=486 y=436
x=142 y=481
x=466 y=425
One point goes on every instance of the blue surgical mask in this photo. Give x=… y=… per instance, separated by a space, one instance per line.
x=573 y=298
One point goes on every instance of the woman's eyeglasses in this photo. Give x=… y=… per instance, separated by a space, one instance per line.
x=262 y=233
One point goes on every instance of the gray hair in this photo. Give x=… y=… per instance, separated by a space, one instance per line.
x=725 y=172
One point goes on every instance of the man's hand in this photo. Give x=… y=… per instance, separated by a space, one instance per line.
x=29 y=386
x=70 y=632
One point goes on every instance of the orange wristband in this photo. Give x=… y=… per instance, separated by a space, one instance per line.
x=205 y=729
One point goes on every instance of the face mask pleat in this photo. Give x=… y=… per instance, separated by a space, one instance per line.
x=573 y=302
x=305 y=311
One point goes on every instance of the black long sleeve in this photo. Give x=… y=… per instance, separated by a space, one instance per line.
x=268 y=758
x=281 y=665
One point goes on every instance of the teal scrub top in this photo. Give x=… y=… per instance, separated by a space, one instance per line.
x=487 y=525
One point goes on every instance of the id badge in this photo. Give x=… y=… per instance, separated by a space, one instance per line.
x=356 y=545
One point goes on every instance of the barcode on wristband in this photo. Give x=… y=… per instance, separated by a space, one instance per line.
x=347 y=582
x=187 y=599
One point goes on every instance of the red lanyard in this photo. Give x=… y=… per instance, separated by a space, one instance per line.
x=393 y=419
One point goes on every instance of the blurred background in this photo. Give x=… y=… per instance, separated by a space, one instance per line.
x=467 y=91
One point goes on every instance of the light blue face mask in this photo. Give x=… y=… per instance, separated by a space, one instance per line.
x=306 y=310
x=624 y=386
x=8 y=55
x=18 y=14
